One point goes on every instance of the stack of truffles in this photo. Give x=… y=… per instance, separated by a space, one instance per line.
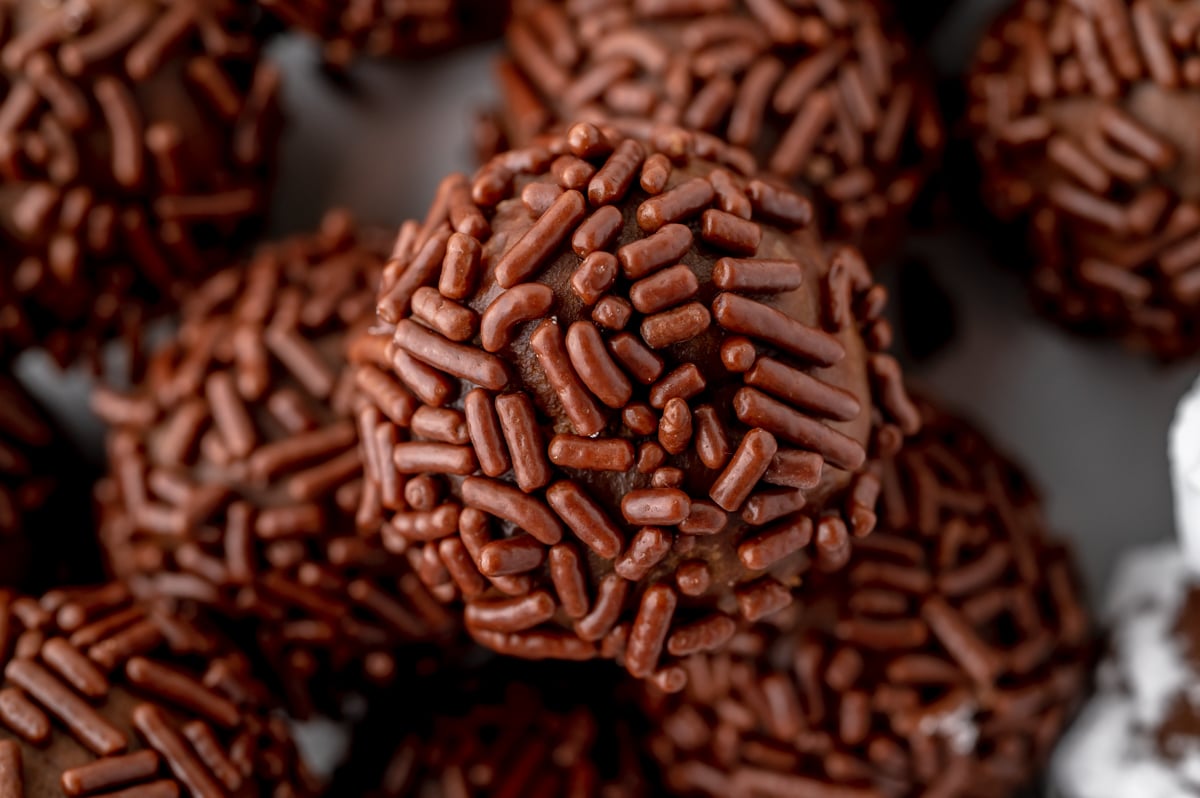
x=621 y=402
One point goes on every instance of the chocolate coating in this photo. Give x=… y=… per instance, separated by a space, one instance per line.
x=235 y=471
x=945 y=660
x=504 y=730
x=102 y=695
x=619 y=423
x=1084 y=123
x=44 y=539
x=826 y=95
x=403 y=29
x=136 y=147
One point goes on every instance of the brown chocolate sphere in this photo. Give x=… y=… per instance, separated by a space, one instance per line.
x=235 y=471
x=383 y=28
x=945 y=660
x=136 y=147
x=624 y=397
x=104 y=696
x=1083 y=119
x=503 y=729
x=826 y=95
x=46 y=538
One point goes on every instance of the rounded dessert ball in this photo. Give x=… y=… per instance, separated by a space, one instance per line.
x=235 y=472
x=623 y=397
x=1081 y=118
x=945 y=660
x=374 y=28
x=826 y=95
x=136 y=148
x=503 y=731
x=105 y=696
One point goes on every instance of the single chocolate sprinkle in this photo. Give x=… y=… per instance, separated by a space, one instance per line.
x=136 y=152
x=611 y=464
x=826 y=95
x=946 y=659
x=236 y=483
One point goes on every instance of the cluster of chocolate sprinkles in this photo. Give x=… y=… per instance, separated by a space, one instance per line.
x=350 y=28
x=1084 y=117
x=624 y=398
x=825 y=94
x=136 y=149
x=503 y=732
x=102 y=696
x=943 y=661
x=236 y=475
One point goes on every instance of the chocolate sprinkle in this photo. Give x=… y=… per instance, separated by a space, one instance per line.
x=136 y=147
x=104 y=696
x=236 y=472
x=388 y=28
x=945 y=660
x=827 y=95
x=1083 y=116
x=593 y=481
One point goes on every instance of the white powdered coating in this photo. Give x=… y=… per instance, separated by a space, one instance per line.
x=1185 y=475
x=1110 y=752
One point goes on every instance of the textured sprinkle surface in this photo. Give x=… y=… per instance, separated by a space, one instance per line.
x=1084 y=118
x=614 y=424
x=104 y=696
x=827 y=95
x=506 y=729
x=137 y=140
x=403 y=28
x=945 y=660
x=235 y=471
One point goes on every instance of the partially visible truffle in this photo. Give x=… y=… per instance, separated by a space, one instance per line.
x=504 y=729
x=614 y=423
x=390 y=28
x=1084 y=118
x=45 y=537
x=137 y=141
x=104 y=696
x=235 y=471
x=827 y=95
x=945 y=660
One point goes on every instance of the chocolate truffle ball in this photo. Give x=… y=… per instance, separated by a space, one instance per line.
x=504 y=731
x=943 y=661
x=625 y=397
x=136 y=142
x=383 y=28
x=236 y=474
x=104 y=696
x=826 y=95
x=1083 y=123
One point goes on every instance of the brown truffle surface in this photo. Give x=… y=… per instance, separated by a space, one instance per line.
x=235 y=470
x=104 y=696
x=614 y=422
x=504 y=729
x=136 y=148
x=945 y=660
x=44 y=540
x=1084 y=117
x=826 y=95
x=389 y=28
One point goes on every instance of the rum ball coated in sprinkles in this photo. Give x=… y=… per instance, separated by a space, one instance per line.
x=593 y=480
x=136 y=153
x=827 y=95
x=104 y=696
x=945 y=660
x=1084 y=121
x=236 y=482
